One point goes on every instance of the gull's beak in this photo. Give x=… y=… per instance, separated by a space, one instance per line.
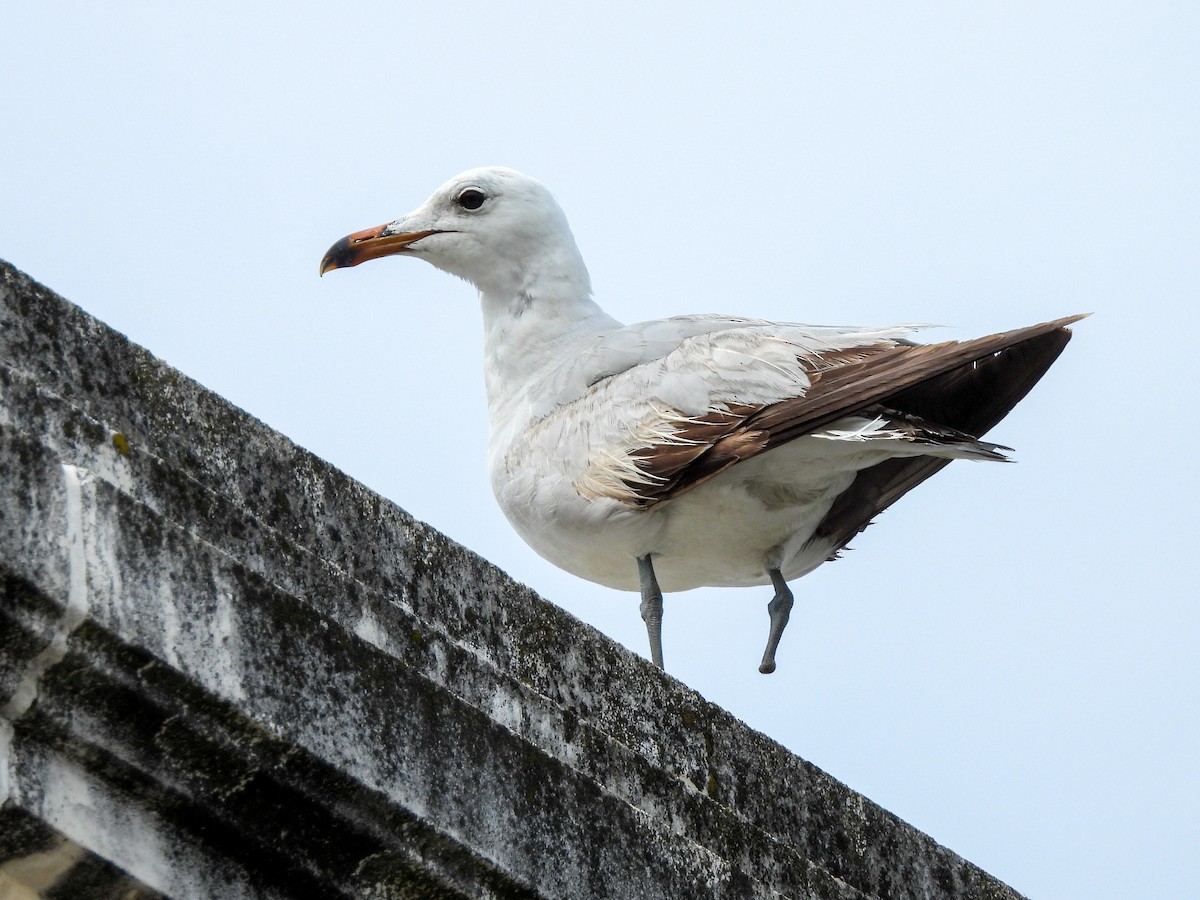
x=370 y=243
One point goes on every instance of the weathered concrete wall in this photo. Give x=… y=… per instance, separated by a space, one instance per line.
x=227 y=670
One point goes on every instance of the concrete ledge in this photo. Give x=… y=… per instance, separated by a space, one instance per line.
x=228 y=670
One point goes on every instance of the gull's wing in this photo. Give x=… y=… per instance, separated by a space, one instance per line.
x=725 y=396
x=972 y=398
x=628 y=347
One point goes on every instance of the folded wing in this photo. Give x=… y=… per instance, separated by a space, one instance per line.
x=723 y=397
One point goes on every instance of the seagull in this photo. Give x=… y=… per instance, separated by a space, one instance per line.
x=699 y=450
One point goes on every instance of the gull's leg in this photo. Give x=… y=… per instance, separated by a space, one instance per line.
x=651 y=607
x=780 y=609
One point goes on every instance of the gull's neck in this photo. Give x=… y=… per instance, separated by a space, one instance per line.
x=533 y=320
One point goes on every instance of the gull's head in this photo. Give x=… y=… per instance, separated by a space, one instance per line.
x=501 y=230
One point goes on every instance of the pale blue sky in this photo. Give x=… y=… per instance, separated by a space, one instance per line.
x=1008 y=659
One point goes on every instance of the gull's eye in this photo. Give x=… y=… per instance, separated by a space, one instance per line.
x=471 y=198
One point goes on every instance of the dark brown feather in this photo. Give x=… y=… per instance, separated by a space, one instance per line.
x=972 y=399
x=695 y=438
x=967 y=386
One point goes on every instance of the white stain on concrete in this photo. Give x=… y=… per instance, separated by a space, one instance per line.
x=227 y=669
x=368 y=629
x=76 y=609
x=91 y=813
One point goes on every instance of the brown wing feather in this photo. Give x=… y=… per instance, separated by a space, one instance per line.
x=849 y=388
x=924 y=380
x=696 y=444
x=972 y=399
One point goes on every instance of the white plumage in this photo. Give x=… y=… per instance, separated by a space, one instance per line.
x=696 y=450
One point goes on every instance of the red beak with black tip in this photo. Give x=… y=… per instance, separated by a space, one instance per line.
x=371 y=243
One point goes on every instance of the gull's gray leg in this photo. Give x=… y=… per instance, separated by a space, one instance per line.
x=780 y=609
x=651 y=607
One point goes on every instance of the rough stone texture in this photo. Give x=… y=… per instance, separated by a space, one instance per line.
x=227 y=670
